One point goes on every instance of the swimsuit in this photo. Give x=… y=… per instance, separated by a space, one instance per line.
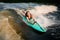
x=31 y=21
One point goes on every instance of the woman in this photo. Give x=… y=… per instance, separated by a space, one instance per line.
x=29 y=17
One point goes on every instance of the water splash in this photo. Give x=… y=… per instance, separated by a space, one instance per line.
x=39 y=11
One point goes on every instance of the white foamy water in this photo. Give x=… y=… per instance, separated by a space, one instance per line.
x=39 y=11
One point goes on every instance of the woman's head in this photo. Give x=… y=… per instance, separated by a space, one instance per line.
x=28 y=14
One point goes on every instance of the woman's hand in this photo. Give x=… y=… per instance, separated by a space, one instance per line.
x=23 y=11
x=35 y=22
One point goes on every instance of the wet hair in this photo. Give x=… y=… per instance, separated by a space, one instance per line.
x=27 y=13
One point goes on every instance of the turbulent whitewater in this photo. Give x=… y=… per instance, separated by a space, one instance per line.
x=38 y=13
x=12 y=27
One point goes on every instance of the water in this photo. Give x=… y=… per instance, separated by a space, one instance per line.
x=48 y=16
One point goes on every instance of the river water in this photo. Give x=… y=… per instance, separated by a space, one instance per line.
x=46 y=15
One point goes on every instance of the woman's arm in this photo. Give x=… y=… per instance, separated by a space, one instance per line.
x=27 y=18
x=33 y=19
x=21 y=11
